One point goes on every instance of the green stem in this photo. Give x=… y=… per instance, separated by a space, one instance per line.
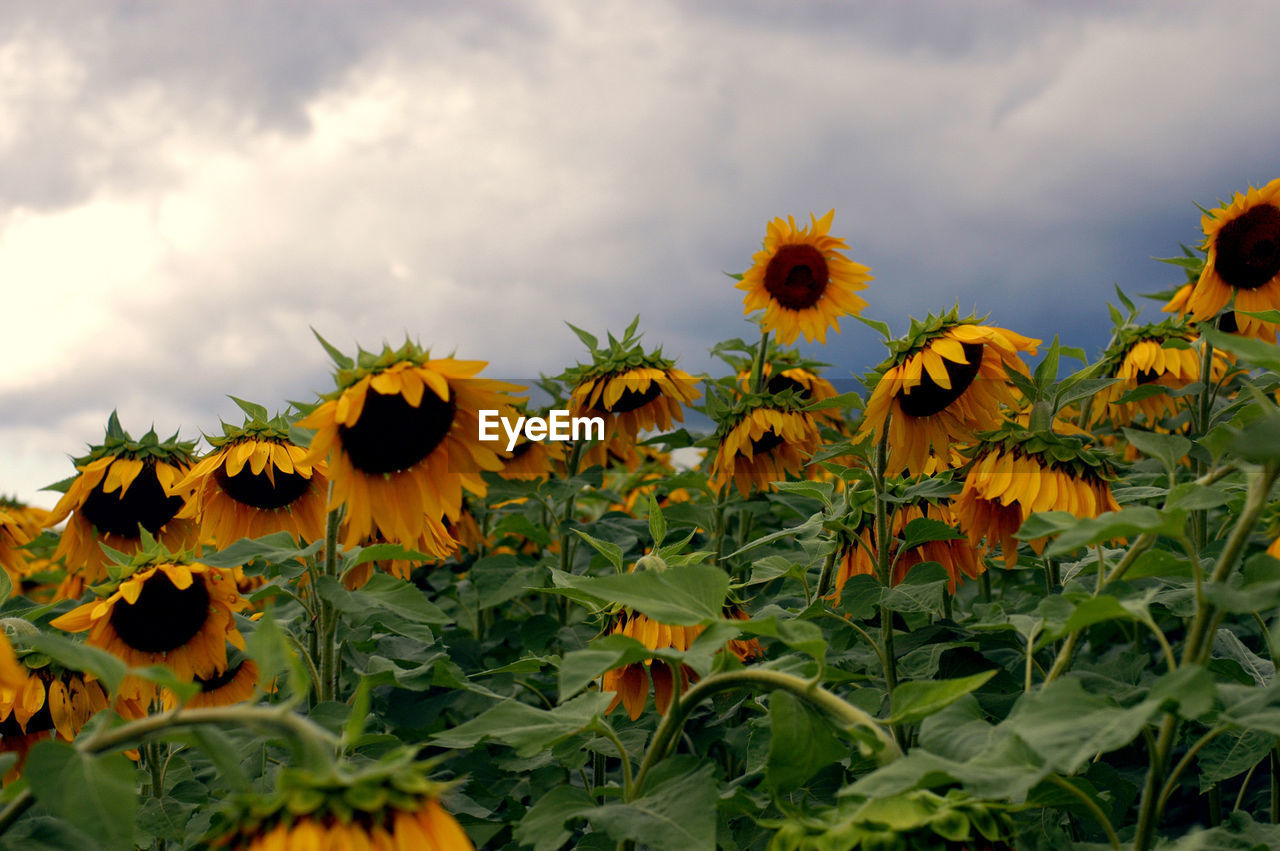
x=883 y=564
x=839 y=711
x=1275 y=785
x=326 y=687
x=1091 y=805
x=1149 y=808
x=828 y=571
x=757 y=366
x=605 y=730
x=571 y=468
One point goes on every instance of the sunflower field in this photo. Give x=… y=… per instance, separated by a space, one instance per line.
x=1000 y=594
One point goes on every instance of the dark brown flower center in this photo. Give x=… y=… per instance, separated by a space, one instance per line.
x=782 y=383
x=219 y=680
x=1249 y=248
x=767 y=441
x=928 y=397
x=1227 y=322
x=256 y=490
x=40 y=722
x=796 y=276
x=165 y=616
x=630 y=399
x=1147 y=376
x=392 y=435
x=145 y=502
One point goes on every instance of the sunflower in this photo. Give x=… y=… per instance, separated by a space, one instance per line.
x=256 y=481
x=122 y=485
x=807 y=385
x=1152 y=356
x=632 y=390
x=47 y=701
x=945 y=380
x=234 y=685
x=20 y=524
x=401 y=433
x=762 y=444
x=533 y=460
x=1017 y=473
x=802 y=282
x=630 y=683
x=958 y=557
x=436 y=538
x=1242 y=259
x=388 y=805
x=167 y=613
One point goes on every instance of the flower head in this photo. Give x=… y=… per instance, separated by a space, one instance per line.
x=761 y=441
x=802 y=281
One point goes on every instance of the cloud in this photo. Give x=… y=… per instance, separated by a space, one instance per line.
x=188 y=189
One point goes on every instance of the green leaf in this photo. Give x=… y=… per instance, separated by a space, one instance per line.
x=1256 y=352
x=277 y=548
x=543 y=826
x=275 y=656
x=677 y=808
x=915 y=701
x=384 y=600
x=802 y=636
x=341 y=360
x=526 y=728
x=921 y=591
x=79 y=657
x=223 y=753
x=657 y=523
x=801 y=742
x=681 y=596
x=1074 y=533
x=165 y=818
x=588 y=340
x=1169 y=449
x=922 y=530
x=94 y=793
x=609 y=550
x=252 y=410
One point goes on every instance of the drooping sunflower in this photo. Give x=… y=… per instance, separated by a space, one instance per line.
x=401 y=434
x=632 y=390
x=256 y=481
x=436 y=543
x=48 y=701
x=1156 y=356
x=390 y=804
x=163 y=612
x=762 y=440
x=1016 y=472
x=533 y=460
x=802 y=281
x=959 y=557
x=122 y=485
x=785 y=369
x=1242 y=259
x=947 y=379
x=630 y=683
x=234 y=685
x=20 y=524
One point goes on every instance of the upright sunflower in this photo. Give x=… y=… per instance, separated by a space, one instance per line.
x=390 y=804
x=762 y=440
x=1016 y=472
x=1156 y=356
x=401 y=434
x=947 y=379
x=164 y=610
x=123 y=486
x=632 y=390
x=1242 y=259
x=256 y=481
x=802 y=281
x=20 y=524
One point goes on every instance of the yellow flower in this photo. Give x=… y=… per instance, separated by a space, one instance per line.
x=402 y=441
x=234 y=685
x=40 y=703
x=173 y=614
x=958 y=557
x=802 y=282
x=765 y=445
x=1149 y=363
x=635 y=400
x=1242 y=245
x=19 y=525
x=250 y=486
x=935 y=393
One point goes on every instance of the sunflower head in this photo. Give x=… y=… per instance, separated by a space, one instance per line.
x=802 y=281
x=1158 y=357
x=1015 y=473
x=401 y=435
x=946 y=380
x=162 y=609
x=20 y=525
x=124 y=488
x=1242 y=260
x=257 y=480
x=760 y=439
x=633 y=390
x=391 y=803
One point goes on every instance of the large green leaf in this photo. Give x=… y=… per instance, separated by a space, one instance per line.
x=683 y=596
x=675 y=812
x=801 y=742
x=527 y=728
x=94 y=793
x=915 y=701
x=388 y=602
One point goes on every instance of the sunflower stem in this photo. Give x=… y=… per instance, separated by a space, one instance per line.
x=883 y=563
x=840 y=712
x=326 y=687
x=757 y=366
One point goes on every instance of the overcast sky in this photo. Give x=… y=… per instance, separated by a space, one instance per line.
x=186 y=189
